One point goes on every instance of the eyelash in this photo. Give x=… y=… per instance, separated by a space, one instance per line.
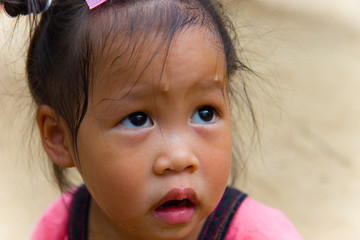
x=148 y=122
x=213 y=110
x=135 y=116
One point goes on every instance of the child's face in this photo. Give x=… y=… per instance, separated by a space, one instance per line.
x=148 y=139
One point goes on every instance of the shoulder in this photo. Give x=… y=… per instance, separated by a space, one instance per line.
x=53 y=223
x=255 y=221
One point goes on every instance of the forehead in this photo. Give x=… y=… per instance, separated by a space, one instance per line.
x=193 y=58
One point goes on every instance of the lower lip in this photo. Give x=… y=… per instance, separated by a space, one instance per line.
x=175 y=215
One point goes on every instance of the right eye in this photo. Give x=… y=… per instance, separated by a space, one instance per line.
x=137 y=120
x=205 y=114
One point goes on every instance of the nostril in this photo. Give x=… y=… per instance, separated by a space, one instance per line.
x=185 y=165
x=169 y=169
x=191 y=168
x=178 y=160
x=161 y=165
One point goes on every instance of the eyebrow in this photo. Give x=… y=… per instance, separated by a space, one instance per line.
x=210 y=83
x=136 y=92
x=127 y=97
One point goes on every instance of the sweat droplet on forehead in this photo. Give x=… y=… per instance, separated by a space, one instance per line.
x=216 y=77
x=218 y=68
x=166 y=87
x=165 y=83
x=184 y=67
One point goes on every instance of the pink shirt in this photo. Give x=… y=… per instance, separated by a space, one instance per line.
x=255 y=221
x=53 y=223
x=252 y=221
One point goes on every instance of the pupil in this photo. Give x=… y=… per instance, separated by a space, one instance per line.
x=206 y=114
x=138 y=119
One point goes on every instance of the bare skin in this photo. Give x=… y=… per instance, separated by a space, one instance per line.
x=182 y=142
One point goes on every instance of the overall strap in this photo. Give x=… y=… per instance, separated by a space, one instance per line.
x=215 y=227
x=79 y=212
x=217 y=224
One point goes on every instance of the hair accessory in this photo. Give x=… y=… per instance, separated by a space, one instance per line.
x=94 y=3
x=47 y=5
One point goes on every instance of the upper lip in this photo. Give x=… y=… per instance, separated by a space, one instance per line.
x=179 y=194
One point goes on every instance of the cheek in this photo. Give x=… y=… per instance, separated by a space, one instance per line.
x=113 y=172
x=219 y=162
x=216 y=157
x=116 y=186
x=216 y=162
x=217 y=144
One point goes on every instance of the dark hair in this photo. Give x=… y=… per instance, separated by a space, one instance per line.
x=66 y=39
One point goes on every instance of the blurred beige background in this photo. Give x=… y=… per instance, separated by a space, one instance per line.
x=308 y=55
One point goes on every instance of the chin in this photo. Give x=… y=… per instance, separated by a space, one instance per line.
x=177 y=232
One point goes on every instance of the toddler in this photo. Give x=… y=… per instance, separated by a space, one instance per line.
x=135 y=95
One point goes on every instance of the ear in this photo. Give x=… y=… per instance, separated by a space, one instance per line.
x=55 y=136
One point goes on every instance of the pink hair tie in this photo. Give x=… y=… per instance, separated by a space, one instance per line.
x=94 y=3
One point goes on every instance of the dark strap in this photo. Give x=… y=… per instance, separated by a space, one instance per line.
x=215 y=227
x=79 y=212
x=217 y=224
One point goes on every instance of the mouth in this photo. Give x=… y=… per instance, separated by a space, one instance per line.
x=177 y=206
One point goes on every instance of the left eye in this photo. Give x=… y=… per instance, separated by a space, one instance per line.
x=137 y=120
x=204 y=114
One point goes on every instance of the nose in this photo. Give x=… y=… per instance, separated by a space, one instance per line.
x=176 y=155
